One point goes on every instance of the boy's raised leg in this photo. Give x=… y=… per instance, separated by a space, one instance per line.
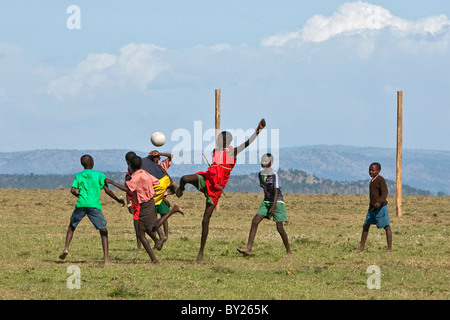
x=162 y=238
x=175 y=208
x=191 y=179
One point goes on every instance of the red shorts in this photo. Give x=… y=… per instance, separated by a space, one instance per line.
x=208 y=187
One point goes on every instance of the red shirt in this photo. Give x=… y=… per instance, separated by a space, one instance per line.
x=218 y=174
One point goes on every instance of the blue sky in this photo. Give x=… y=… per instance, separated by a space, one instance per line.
x=320 y=72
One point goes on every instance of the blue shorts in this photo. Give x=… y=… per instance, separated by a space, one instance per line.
x=380 y=217
x=95 y=215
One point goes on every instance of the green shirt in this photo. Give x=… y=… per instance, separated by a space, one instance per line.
x=89 y=183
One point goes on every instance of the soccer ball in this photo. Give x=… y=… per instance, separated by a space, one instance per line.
x=158 y=139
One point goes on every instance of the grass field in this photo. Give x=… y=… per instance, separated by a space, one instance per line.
x=323 y=231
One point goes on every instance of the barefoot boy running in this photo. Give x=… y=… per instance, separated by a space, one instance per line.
x=86 y=187
x=271 y=207
x=213 y=181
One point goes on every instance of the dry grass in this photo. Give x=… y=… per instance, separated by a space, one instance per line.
x=323 y=231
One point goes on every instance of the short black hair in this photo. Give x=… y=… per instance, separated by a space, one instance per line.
x=86 y=160
x=129 y=155
x=136 y=163
x=377 y=165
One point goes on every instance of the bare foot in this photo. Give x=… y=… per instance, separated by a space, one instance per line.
x=173 y=188
x=63 y=255
x=177 y=208
x=159 y=244
x=179 y=192
x=288 y=255
x=199 y=257
x=245 y=251
x=359 y=250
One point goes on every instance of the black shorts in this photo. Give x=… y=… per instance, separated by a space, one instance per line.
x=147 y=216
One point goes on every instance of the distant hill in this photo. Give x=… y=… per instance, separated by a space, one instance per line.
x=59 y=161
x=422 y=169
x=297 y=181
x=46 y=181
x=293 y=181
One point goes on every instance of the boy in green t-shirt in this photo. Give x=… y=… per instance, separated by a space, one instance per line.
x=86 y=187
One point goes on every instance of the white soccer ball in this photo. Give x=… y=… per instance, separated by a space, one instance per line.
x=158 y=138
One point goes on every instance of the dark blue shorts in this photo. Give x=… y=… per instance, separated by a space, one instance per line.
x=380 y=217
x=95 y=215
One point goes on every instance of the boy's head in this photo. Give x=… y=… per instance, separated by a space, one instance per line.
x=267 y=160
x=129 y=155
x=374 y=169
x=136 y=163
x=87 y=161
x=224 y=139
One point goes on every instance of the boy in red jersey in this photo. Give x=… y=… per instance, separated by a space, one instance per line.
x=212 y=182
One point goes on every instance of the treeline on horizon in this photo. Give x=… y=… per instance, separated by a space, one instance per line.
x=293 y=181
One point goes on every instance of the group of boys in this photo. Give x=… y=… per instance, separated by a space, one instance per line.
x=147 y=183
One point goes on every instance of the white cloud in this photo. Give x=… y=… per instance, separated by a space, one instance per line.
x=135 y=65
x=355 y=18
x=96 y=62
x=89 y=73
x=139 y=64
x=280 y=38
x=221 y=46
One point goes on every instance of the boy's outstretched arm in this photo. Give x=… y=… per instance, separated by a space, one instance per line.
x=121 y=187
x=110 y=193
x=244 y=145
